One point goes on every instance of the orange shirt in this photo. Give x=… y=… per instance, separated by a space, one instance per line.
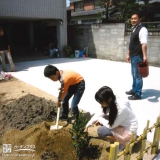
x=68 y=78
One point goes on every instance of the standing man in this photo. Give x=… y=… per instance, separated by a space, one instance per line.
x=137 y=53
x=5 y=51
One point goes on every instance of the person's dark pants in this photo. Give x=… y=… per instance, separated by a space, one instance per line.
x=77 y=90
x=137 y=79
x=103 y=132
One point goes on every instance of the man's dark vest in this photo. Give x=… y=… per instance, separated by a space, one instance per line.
x=135 y=46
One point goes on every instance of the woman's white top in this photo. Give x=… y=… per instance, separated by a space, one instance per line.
x=125 y=117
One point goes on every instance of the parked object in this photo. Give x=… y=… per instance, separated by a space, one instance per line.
x=5 y=76
x=85 y=51
x=67 y=50
x=143 y=68
x=54 y=53
x=77 y=53
x=58 y=55
x=8 y=76
x=81 y=53
x=2 y=75
x=72 y=56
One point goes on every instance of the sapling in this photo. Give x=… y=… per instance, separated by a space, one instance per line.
x=80 y=139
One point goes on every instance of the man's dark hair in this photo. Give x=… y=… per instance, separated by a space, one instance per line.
x=139 y=13
x=50 y=70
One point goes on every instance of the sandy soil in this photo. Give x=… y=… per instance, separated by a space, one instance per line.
x=26 y=114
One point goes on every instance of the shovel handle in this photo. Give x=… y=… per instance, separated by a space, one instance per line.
x=58 y=113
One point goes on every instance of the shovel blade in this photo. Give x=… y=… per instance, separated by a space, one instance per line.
x=55 y=127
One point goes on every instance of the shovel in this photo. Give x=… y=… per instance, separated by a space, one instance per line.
x=56 y=127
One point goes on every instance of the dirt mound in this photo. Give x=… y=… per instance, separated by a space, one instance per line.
x=25 y=128
x=26 y=111
x=47 y=144
x=26 y=122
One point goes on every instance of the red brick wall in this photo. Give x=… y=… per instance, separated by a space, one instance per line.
x=72 y=6
x=88 y=5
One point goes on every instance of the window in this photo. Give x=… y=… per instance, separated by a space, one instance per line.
x=74 y=22
x=96 y=3
x=91 y=21
x=78 y=6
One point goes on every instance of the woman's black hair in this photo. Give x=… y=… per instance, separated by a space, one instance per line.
x=105 y=94
x=50 y=70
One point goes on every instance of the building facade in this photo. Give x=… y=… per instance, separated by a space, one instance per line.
x=35 y=23
x=85 y=12
x=89 y=11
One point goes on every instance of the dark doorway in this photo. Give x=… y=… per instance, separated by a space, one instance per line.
x=43 y=35
x=19 y=37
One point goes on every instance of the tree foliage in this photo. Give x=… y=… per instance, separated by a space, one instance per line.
x=81 y=140
x=124 y=9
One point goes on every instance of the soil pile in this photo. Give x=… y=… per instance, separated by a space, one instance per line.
x=26 y=111
x=41 y=142
x=25 y=125
x=26 y=122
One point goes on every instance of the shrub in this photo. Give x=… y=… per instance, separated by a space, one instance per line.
x=81 y=140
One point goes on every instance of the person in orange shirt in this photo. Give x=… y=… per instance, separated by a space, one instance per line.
x=72 y=84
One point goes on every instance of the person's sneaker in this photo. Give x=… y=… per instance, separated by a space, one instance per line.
x=134 y=97
x=64 y=118
x=71 y=119
x=130 y=92
x=121 y=148
x=13 y=70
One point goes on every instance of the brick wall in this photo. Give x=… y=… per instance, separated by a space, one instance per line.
x=88 y=5
x=108 y=41
x=72 y=7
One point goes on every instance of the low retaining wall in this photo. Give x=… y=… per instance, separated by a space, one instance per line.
x=109 y=41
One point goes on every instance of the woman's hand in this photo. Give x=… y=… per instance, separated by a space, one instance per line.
x=97 y=123
x=86 y=129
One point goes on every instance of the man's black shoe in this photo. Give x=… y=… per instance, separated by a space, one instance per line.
x=134 y=97
x=130 y=92
x=64 y=118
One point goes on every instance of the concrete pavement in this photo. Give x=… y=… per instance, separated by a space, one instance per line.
x=98 y=73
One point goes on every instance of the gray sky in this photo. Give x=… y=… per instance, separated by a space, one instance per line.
x=67 y=2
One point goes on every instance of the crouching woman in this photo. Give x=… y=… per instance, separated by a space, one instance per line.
x=115 y=117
